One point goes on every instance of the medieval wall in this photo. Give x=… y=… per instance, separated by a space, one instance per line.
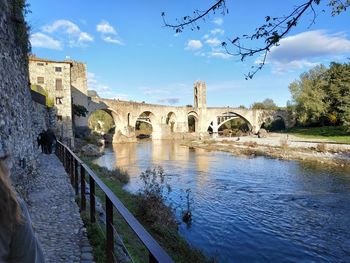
x=16 y=136
x=79 y=89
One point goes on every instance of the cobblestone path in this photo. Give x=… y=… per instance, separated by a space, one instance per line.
x=55 y=214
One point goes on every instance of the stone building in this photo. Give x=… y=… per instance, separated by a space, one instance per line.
x=66 y=84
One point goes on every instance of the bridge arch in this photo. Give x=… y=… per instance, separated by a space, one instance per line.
x=274 y=123
x=145 y=123
x=244 y=125
x=171 y=121
x=192 y=121
x=116 y=116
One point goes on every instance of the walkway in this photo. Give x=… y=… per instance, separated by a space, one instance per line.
x=55 y=214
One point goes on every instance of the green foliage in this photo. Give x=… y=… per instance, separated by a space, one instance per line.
x=322 y=96
x=144 y=127
x=97 y=239
x=274 y=125
x=79 y=110
x=19 y=9
x=153 y=197
x=101 y=121
x=49 y=100
x=330 y=133
x=115 y=174
x=267 y=104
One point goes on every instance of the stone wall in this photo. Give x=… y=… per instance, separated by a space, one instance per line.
x=43 y=118
x=79 y=90
x=16 y=136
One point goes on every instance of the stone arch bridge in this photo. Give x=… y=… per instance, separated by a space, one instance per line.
x=169 y=121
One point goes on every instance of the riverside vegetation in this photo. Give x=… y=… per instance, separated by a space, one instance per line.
x=153 y=210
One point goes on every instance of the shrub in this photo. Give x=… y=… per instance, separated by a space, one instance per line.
x=284 y=144
x=236 y=132
x=153 y=196
x=209 y=142
x=115 y=174
x=321 y=147
x=250 y=144
x=94 y=138
x=226 y=132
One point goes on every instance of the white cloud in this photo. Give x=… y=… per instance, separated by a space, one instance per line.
x=194 y=44
x=307 y=49
x=112 y=40
x=108 y=33
x=217 y=31
x=68 y=29
x=219 y=21
x=44 y=41
x=85 y=37
x=219 y=54
x=105 y=28
x=103 y=90
x=213 y=42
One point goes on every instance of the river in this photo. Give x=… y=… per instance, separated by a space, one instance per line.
x=249 y=209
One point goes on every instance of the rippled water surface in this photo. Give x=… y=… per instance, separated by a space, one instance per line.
x=250 y=209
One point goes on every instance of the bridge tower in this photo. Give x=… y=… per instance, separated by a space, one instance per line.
x=200 y=95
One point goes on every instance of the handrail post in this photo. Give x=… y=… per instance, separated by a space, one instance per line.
x=71 y=171
x=64 y=158
x=92 y=200
x=109 y=230
x=82 y=188
x=59 y=151
x=76 y=177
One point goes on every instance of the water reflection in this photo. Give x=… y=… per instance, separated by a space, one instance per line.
x=250 y=210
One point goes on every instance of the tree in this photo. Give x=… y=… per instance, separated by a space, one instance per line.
x=267 y=104
x=79 y=110
x=338 y=92
x=101 y=121
x=322 y=96
x=271 y=31
x=309 y=96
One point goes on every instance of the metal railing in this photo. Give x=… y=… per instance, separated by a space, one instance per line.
x=75 y=167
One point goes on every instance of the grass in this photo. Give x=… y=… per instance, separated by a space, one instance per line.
x=329 y=133
x=97 y=239
x=178 y=249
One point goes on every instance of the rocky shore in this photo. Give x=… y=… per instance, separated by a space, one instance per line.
x=279 y=146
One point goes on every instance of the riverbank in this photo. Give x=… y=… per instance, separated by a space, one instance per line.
x=281 y=146
x=168 y=238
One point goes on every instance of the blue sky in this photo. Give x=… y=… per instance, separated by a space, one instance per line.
x=131 y=55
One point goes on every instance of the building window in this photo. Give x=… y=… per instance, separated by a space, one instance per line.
x=59 y=118
x=58 y=69
x=40 y=80
x=59 y=100
x=40 y=64
x=58 y=84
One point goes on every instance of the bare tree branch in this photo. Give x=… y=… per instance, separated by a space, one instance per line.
x=188 y=20
x=272 y=31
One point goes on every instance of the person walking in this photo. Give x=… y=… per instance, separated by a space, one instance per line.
x=18 y=243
